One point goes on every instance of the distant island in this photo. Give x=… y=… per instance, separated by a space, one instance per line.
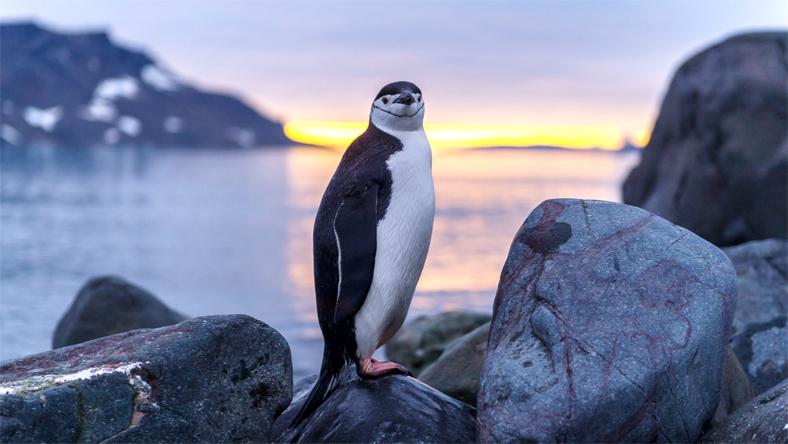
x=626 y=147
x=77 y=90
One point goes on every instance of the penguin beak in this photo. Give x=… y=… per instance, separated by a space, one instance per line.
x=404 y=98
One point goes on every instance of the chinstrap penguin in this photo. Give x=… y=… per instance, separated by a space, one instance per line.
x=371 y=237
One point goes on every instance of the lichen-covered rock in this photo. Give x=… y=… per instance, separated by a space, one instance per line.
x=762 y=420
x=717 y=161
x=421 y=341
x=107 y=305
x=209 y=379
x=760 y=336
x=390 y=409
x=609 y=325
x=457 y=370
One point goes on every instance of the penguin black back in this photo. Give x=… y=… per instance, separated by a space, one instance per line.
x=361 y=170
x=364 y=281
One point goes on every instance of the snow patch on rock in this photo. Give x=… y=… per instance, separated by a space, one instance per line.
x=112 y=88
x=99 y=110
x=129 y=125
x=38 y=382
x=10 y=134
x=44 y=118
x=143 y=389
x=159 y=78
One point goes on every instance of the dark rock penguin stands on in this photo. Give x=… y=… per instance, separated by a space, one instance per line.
x=371 y=237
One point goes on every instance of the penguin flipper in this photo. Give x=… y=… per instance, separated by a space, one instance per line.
x=355 y=230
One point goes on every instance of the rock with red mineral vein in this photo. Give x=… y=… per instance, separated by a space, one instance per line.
x=609 y=325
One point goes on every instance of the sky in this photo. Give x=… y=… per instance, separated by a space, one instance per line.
x=585 y=73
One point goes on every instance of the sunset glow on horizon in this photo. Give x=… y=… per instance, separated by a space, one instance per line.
x=446 y=136
x=580 y=75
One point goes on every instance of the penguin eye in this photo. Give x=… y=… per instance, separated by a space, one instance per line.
x=385 y=101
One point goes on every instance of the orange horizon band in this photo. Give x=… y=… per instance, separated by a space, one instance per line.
x=338 y=134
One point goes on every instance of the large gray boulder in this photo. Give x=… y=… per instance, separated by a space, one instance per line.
x=609 y=325
x=421 y=341
x=456 y=372
x=390 y=409
x=717 y=161
x=107 y=305
x=762 y=420
x=760 y=336
x=209 y=379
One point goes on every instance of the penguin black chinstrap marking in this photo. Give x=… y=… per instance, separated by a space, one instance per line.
x=370 y=239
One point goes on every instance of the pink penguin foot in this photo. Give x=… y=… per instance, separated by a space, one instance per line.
x=371 y=369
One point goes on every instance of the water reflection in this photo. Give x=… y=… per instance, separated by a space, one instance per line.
x=213 y=231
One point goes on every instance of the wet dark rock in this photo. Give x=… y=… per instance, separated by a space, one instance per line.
x=107 y=305
x=609 y=325
x=390 y=409
x=717 y=161
x=760 y=336
x=764 y=419
x=457 y=370
x=209 y=379
x=421 y=341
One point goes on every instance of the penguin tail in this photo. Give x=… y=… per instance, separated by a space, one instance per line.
x=330 y=370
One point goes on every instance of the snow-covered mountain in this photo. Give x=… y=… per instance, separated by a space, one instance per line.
x=82 y=89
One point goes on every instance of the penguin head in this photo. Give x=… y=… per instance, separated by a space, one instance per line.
x=398 y=106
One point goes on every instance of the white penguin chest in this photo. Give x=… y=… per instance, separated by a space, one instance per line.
x=405 y=231
x=403 y=239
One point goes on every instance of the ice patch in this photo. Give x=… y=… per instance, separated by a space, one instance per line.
x=100 y=111
x=129 y=125
x=241 y=136
x=173 y=124
x=111 y=136
x=110 y=89
x=10 y=134
x=38 y=382
x=159 y=78
x=46 y=119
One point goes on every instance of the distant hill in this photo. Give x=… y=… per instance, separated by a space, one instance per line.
x=82 y=89
x=626 y=147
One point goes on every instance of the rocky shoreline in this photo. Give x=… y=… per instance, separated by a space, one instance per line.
x=610 y=324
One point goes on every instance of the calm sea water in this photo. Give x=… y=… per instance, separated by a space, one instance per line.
x=216 y=232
